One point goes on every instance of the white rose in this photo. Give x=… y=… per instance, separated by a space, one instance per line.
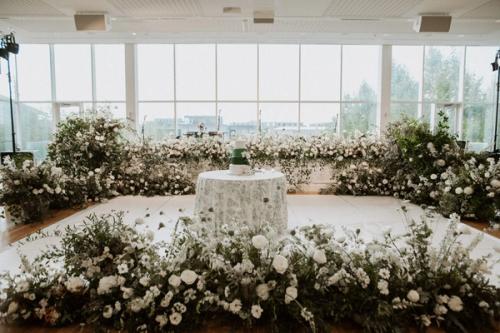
x=468 y=190
x=175 y=318
x=455 y=304
x=441 y=162
x=75 y=284
x=139 y=220
x=434 y=176
x=290 y=294
x=320 y=257
x=484 y=305
x=256 y=311
x=280 y=264
x=144 y=281
x=235 y=306
x=413 y=296
x=13 y=306
x=341 y=239
x=107 y=312
x=495 y=183
x=262 y=291
x=188 y=276
x=260 y=242
x=174 y=280
x=459 y=190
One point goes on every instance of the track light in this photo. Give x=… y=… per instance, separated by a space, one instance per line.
x=4 y=54
x=496 y=62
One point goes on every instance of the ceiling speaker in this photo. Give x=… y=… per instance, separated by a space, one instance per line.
x=92 y=22
x=263 y=16
x=432 y=23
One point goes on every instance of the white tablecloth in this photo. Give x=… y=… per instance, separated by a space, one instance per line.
x=253 y=200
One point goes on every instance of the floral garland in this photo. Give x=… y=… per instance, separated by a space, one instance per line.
x=100 y=160
x=108 y=274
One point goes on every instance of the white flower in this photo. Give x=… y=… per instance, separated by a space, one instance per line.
x=383 y=287
x=75 y=284
x=106 y=283
x=459 y=190
x=144 y=280
x=413 y=296
x=290 y=294
x=167 y=299
x=188 y=276
x=320 y=257
x=384 y=273
x=341 y=239
x=440 y=310
x=262 y=291
x=235 y=306
x=256 y=311
x=162 y=320
x=174 y=280
x=434 y=176
x=175 y=318
x=13 y=306
x=484 y=305
x=440 y=162
x=495 y=183
x=122 y=268
x=260 y=242
x=23 y=286
x=468 y=190
x=455 y=304
x=280 y=264
x=107 y=312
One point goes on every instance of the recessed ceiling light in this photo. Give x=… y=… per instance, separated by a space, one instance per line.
x=134 y=33
x=231 y=10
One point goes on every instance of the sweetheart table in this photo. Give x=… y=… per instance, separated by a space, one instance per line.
x=254 y=199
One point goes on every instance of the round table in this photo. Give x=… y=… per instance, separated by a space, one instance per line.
x=254 y=200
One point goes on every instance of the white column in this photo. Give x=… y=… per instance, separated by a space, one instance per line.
x=131 y=84
x=385 y=88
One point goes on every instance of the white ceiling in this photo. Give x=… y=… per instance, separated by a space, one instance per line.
x=356 y=21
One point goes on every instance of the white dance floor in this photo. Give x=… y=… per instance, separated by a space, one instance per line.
x=372 y=215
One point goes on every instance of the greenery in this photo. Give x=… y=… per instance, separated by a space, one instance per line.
x=112 y=276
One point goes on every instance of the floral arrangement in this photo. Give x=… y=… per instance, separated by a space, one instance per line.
x=27 y=191
x=99 y=161
x=108 y=274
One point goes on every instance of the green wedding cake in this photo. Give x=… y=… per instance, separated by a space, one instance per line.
x=238 y=162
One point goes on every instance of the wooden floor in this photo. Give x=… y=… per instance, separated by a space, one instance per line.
x=15 y=233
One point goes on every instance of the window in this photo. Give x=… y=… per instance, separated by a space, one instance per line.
x=191 y=115
x=279 y=72
x=156 y=120
x=155 y=72
x=238 y=118
x=479 y=98
x=236 y=72
x=73 y=72
x=195 y=71
x=279 y=118
x=320 y=73
x=33 y=68
x=319 y=118
x=358 y=118
x=35 y=125
x=360 y=72
x=442 y=73
x=406 y=81
x=110 y=72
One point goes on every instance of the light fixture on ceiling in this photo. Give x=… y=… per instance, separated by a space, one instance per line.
x=231 y=10
x=134 y=33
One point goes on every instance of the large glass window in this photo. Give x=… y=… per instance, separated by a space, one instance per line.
x=155 y=72
x=319 y=118
x=279 y=72
x=156 y=120
x=442 y=73
x=236 y=72
x=238 y=118
x=73 y=72
x=190 y=116
x=360 y=72
x=35 y=125
x=110 y=72
x=33 y=69
x=320 y=73
x=279 y=118
x=358 y=118
x=195 y=71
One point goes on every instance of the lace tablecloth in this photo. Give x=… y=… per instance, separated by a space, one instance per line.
x=253 y=200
